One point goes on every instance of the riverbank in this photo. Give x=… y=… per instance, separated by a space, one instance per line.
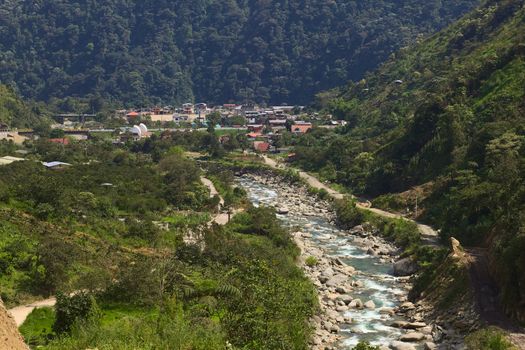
x=365 y=303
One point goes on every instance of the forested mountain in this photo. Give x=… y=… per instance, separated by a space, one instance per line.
x=450 y=114
x=138 y=52
x=13 y=111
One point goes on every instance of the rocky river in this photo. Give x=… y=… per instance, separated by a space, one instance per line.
x=360 y=298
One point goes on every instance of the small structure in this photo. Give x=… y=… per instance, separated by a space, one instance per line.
x=12 y=136
x=56 y=165
x=62 y=141
x=261 y=146
x=8 y=160
x=301 y=127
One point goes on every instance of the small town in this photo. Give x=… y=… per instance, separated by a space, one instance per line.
x=263 y=128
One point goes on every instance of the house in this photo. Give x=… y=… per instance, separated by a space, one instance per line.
x=62 y=141
x=12 y=136
x=56 y=165
x=261 y=146
x=301 y=127
x=8 y=160
x=257 y=128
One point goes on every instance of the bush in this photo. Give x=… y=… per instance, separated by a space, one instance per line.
x=71 y=309
x=491 y=338
x=347 y=213
x=365 y=346
x=311 y=261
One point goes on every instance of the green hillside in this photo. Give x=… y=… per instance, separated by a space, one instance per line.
x=13 y=111
x=448 y=113
x=138 y=52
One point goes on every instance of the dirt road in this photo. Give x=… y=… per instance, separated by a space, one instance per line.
x=20 y=313
x=428 y=234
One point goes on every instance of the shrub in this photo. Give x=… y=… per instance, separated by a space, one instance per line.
x=71 y=309
x=347 y=213
x=311 y=261
x=491 y=338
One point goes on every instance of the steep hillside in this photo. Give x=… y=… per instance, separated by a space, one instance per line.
x=13 y=111
x=172 y=51
x=449 y=112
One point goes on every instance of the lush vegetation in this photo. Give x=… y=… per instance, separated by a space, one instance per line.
x=489 y=339
x=447 y=113
x=138 y=52
x=109 y=236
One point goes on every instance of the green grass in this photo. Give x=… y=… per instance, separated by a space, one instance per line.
x=187 y=220
x=37 y=328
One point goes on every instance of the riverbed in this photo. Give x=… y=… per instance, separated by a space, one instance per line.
x=372 y=283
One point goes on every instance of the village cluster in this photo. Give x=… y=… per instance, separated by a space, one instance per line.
x=263 y=126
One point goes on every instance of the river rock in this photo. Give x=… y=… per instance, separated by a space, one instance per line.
x=407 y=306
x=370 y=305
x=356 y=304
x=415 y=325
x=397 y=345
x=430 y=346
x=412 y=337
x=387 y=311
x=405 y=267
x=399 y=324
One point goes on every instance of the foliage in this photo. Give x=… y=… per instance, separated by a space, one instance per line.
x=38 y=326
x=347 y=213
x=365 y=346
x=489 y=339
x=82 y=55
x=72 y=309
x=311 y=261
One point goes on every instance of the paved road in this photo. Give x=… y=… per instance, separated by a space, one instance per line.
x=20 y=313
x=428 y=234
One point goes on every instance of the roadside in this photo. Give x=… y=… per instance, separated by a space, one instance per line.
x=20 y=313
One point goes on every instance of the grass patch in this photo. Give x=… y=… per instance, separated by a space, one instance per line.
x=491 y=338
x=38 y=327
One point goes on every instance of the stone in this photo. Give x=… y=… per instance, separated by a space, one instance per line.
x=370 y=305
x=356 y=304
x=430 y=346
x=334 y=329
x=399 y=324
x=405 y=267
x=323 y=279
x=397 y=345
x=415 y=325
x=340 y=290
x=407 y=306
x=412 y=337
x=387 y=311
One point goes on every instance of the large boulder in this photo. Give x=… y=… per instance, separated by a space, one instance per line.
x=398 y=345
x=412 y=337
x=405 y=267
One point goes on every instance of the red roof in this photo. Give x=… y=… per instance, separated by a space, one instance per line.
x=253 y=135
x=261 y=146
x=132 y=114
x=63 y=141
x=301 y=128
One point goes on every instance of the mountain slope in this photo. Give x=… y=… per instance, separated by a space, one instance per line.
x=450 y=113
x=171 y=51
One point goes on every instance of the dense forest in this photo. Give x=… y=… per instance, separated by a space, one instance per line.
x=138 y=52
x=447 y=114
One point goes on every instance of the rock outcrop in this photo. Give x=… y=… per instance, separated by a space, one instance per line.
x=10 y=338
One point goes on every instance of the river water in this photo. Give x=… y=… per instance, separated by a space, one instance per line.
x=379 y=284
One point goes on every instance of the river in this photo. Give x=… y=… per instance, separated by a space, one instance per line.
x=375 y=274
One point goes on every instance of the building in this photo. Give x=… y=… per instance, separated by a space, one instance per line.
x=62 y=141
x=56 y=165
x=8 y=160
x=301 y=127
x=261 y=146
x=12 y=136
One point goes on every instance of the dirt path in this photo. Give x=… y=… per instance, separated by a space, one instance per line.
x=20 y=313
x=428 y=234
x=221 y=218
